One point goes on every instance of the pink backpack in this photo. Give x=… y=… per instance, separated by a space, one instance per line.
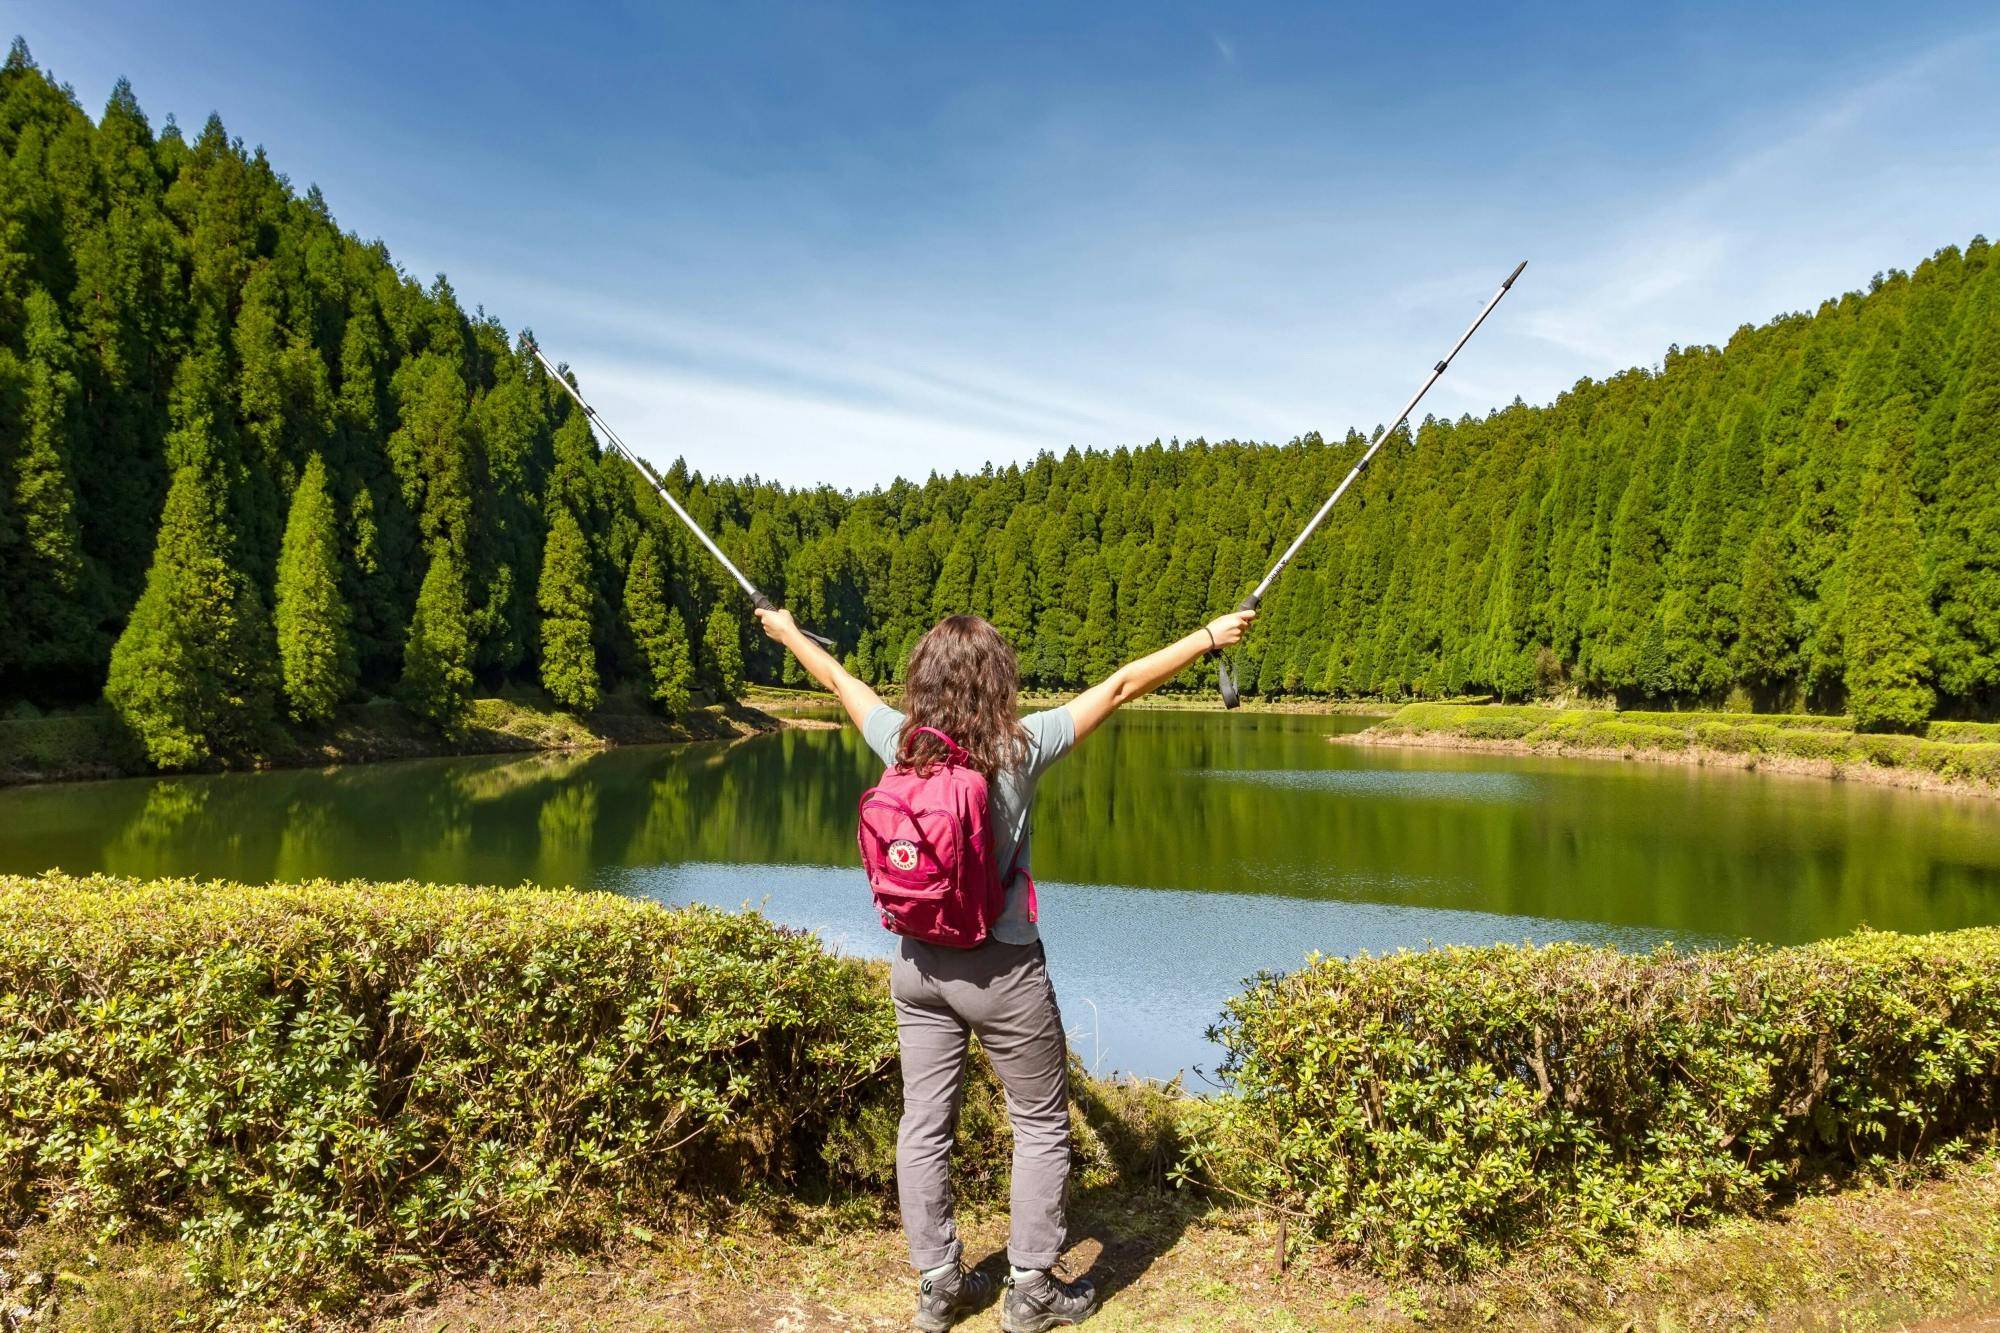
x=929 y=853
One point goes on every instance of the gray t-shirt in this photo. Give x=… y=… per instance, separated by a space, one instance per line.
x=1009 y=801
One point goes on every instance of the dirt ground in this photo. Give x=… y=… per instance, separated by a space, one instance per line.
x=1922 y=1256
x=1879 y=1257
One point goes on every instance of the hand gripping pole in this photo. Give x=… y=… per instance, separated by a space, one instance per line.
x=1230 y=697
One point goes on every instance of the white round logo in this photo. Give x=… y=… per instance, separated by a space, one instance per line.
x=903 y=854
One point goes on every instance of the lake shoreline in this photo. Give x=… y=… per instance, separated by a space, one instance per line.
x=86 y=747
x=1401 y=732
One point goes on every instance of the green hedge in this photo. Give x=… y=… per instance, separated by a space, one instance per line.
x=324 y=1084
x=329 y=1087
x=325 y=1088
x=68 y=744
x=1964 y=733
x=1432 y=1109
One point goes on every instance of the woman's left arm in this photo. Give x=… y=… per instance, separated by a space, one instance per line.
x=854 y=695
x=1155 y=669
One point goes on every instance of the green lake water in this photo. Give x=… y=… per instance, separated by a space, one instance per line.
x=1177 y=852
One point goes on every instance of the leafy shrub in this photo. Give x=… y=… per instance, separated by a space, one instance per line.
x=1833 y=746
x=322 y=1080
x=1500 y=728
x=330 y=1086
x=1622 y=735
x=1444 y=717
x=66 y=743
x=1772 y=721
x=1964 y=733
x=1431 y=1109
x=1978 y=762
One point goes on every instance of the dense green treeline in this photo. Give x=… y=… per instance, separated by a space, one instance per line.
x=1809 y=516
x=249 y=469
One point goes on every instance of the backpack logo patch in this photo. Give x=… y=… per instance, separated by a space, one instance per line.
x=903 y=854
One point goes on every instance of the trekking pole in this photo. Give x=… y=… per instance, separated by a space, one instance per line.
x=1230 y=698
x=757 y=598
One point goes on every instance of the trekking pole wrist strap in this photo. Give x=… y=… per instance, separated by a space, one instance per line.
x=1213 y=647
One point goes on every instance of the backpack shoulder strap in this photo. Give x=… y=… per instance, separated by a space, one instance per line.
x=1013 y=869
x=1014 y=865
x=958 y=755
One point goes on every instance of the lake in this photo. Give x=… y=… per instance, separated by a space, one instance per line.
x=1177 y=852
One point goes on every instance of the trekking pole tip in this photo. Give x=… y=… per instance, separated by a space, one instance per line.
x=1515 y=274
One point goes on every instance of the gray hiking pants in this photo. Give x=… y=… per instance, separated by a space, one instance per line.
x=1002 y=993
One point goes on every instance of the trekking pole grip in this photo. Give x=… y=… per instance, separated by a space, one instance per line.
x=1227 y=684
x=763 y=603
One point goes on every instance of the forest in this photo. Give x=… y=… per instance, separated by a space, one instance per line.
x=252 y=473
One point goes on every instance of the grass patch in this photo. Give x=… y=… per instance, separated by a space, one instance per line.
x=1874 y=1257
x=1949 y=753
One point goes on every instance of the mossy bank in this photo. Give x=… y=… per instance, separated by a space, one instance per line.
x=1953 y=756
x=75 y=746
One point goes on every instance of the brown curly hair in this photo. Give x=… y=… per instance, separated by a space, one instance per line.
x=964 y=681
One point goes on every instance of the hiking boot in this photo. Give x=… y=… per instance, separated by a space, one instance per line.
x=1045 y=1301
x=941 y=1300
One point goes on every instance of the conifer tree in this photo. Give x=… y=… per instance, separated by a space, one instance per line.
x=43 y=574
x=1764 y=644
x=569 y=653
x=191 y=676
x=315 y=652
x=378 y=577
x=952 y=595
x=658 y=629
x=1888 y=631
x=1632 y=594
x=723 y=648
x=1965 y=547
x=437 y=657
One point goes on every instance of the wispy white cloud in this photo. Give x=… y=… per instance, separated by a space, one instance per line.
x=732 y=428
x=1101 y=326
x=816 y=403
x=1851 y=181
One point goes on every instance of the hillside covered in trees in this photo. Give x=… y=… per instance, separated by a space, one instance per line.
x=250 y=472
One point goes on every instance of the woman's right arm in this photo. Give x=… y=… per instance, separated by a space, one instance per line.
x=854 y=695
x=1150 y=672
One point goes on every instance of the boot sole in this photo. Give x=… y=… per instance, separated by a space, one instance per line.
x=1043 y=1323
x=942 y=1323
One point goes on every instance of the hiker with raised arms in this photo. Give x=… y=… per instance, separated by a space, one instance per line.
x=952 y=880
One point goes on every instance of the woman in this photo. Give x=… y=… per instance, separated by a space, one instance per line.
x=962 y=680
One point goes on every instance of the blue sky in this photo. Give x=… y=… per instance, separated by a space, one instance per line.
x=836 y=243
